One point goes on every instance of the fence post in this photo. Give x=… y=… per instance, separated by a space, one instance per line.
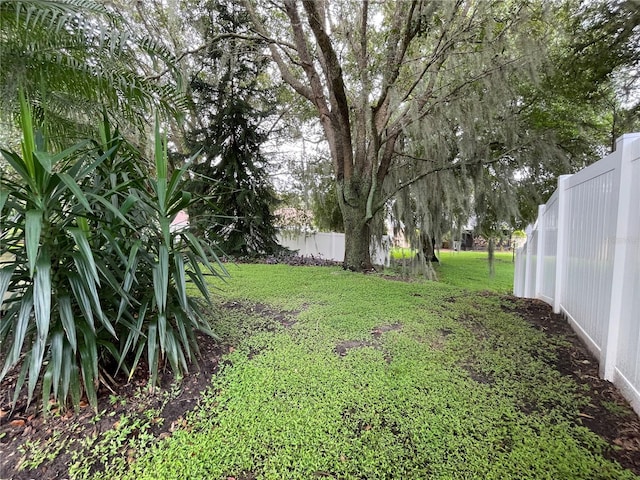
x=620 y=253
x=540 y=251
x=527 y=262
x=561 y=247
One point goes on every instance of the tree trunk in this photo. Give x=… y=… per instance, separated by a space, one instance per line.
x=428 y=245
x=357 y=234
x=357 y=239
x=491 y=248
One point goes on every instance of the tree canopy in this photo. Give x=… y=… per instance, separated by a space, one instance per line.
x=433 y=109
x=403 y=90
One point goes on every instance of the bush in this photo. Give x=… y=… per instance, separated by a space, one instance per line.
x=92 y=277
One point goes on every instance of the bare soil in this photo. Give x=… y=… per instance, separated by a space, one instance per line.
x=620 y=426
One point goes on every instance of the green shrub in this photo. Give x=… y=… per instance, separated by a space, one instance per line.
x=92 y=277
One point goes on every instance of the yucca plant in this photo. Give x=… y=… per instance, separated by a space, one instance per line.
x=91 y=276
x=160 y=317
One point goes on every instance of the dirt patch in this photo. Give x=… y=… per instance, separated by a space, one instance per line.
x=132 y=399
x=474 y=326
x=378 y=331
x=608 y=414
x=343 y=347
x=286 y=318
x=440 y=340
x=478 y=376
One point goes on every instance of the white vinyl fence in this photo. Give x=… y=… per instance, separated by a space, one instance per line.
x=582 y=256
x=330 y=246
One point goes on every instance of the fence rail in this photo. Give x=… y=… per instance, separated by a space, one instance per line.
x=582 y=256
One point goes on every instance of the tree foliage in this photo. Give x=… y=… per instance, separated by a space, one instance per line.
x=405 y=91
x=584 y=99
x=235 y=210
x=73 y=58
x=436 y=108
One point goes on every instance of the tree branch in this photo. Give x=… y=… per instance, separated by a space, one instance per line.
x=395 y=56
x=439 y=55
x=417 y=178
x=335 y=83
x=285 y=71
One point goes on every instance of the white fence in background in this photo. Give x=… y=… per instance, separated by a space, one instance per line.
x=582 y=256
x=330 y=246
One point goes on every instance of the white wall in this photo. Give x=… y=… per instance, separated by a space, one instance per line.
x=330 y=246
x=583 y=257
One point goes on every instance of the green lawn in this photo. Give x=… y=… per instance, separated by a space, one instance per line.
x=455 y=388
x=470 y=270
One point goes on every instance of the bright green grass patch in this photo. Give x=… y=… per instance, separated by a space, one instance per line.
x=399 y=253
x=470 y=270
x=462 y=390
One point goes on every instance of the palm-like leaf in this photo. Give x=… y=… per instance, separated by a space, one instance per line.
x=73 y=57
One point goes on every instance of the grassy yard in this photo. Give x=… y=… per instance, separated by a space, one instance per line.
x=469 y=269
x=343 y=375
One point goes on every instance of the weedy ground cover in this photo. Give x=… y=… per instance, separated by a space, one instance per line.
x=351 y=376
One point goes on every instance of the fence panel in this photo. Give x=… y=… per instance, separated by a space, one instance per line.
x=627 y=374
x=520 y=272
x=330 y=246
x=549 y=250
x=532 y=258
x=592 y=203
x=583 y=257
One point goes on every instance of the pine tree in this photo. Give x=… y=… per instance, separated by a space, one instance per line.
x=236 y=210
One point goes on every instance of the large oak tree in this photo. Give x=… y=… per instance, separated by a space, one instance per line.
x=403 y=90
